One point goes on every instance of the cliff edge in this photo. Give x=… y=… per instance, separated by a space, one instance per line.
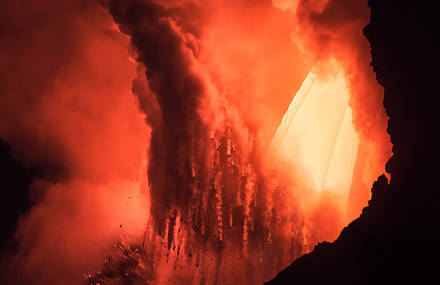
x=395 y=239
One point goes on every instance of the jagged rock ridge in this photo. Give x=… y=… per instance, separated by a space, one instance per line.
x=394 y=241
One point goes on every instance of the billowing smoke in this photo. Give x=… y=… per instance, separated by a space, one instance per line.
x=66 y=108
x=152 y=120
x=209 y=195
x=178 y=142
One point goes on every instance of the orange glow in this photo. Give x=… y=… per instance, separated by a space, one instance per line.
x=316 y=135
x=184 y=151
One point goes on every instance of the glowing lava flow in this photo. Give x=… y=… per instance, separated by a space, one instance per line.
x=317 y=134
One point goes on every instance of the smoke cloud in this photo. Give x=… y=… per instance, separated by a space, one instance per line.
x=151 y=121
x=66 y=109
x=210 y=195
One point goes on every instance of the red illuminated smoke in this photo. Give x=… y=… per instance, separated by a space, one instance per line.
x=181 y=176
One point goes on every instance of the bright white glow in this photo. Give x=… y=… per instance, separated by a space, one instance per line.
x=286 y=5
x=317 y=136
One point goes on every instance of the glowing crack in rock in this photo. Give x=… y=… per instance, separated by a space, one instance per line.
x=317 y=134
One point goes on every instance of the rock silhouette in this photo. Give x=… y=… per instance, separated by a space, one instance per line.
x=394 y=241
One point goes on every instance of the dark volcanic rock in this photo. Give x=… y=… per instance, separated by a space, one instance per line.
x=15 y=179
x=395 y=239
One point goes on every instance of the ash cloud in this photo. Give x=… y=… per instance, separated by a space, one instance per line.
x=178 y=134
x=210 y=195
